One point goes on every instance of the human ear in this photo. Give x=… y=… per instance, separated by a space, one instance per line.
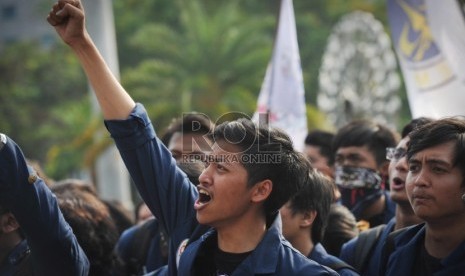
x=262 y=190
x=8 y=223
x=308 y=218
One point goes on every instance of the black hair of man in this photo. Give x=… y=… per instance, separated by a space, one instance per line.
x=414 y=124
x=93 y=225
x=315 y=195
x=323 y=140
x=266 y=153
x=438 y=132
x=196 y=123
x=342 y=227
x=359 y=133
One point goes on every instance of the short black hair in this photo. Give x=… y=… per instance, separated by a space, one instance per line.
x=323 y=140
x=266 y=153
x=342 y=227
x=196 y=123
x=414 y=124
x=359 y=133
x=315 y=195
x=438 y=132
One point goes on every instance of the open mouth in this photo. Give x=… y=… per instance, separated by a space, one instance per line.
x=397 y=183
x=204 y=196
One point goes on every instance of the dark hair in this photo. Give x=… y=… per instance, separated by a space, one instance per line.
x=414 y=124
x=93 y=226
x=64 y=185
x=342 y=227
x=375 y=136
x=196 y=123
x=439 y=132
x=315 y=195
x=266 y=153
x=121 y=216
x=323 y=140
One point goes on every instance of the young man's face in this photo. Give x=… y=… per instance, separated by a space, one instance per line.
x=291 y=222
x=318 y=161
x=398 y=169
x=223 y=193
x=355 y=157
x=187 y=145
x=434 y=186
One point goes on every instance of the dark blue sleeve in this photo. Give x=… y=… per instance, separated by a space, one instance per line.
x=54 y=248
x=163 y=186
x=348 y=251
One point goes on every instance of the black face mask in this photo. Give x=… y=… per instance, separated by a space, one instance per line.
x=355 y=177
x=359 y=187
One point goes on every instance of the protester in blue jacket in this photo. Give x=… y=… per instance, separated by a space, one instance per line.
x=305 y=217
x=366 y=261
x=250 y=173
x=54 y=248
x=436 y=190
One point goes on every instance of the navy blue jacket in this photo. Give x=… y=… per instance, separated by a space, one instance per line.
x=170 y=196
x=18 y=262
x=372 y=265
x=407 y=246
x=320 y=256
x=128 y=247
x=54 y=248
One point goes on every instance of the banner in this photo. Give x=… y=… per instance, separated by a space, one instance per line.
x=281 y=101
x=429 y=40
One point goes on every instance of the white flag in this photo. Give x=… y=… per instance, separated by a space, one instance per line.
x=429 y=42
x=282 y=92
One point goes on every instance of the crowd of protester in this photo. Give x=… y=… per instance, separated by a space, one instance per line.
x=364 y=200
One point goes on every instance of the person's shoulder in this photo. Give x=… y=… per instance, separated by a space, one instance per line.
x=349 y=245
x=406 y=235
x=295 y=263
x=130 y=234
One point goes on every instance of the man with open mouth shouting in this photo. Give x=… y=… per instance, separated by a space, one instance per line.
x=251 y=172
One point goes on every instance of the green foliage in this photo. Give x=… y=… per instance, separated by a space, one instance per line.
x=181 y=55
x=213 y=61
x=35 y=94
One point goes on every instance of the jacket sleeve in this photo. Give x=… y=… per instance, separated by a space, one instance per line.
x=54 y=247
x=162 y=185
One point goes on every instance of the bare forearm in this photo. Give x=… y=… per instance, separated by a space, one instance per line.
x=114 y=101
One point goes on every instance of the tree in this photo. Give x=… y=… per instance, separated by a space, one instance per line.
x=36 y=96
x=213 y=63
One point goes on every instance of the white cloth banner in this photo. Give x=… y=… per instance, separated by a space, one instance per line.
x=282 y=93
x=429 y=38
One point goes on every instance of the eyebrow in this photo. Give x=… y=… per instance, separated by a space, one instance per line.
x=430 y=161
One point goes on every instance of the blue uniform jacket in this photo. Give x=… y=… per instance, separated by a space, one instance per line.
x=320 y=256
x=17 y=261
x=170 y=196
x=54 y=248
x=127 y=245
x=273 y=256
x=372 y=264
x=406 y=245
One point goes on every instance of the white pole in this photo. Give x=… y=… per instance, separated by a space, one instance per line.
x=112 y=178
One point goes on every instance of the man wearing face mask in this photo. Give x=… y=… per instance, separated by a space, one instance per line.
x=367 y=261
x=361 y=171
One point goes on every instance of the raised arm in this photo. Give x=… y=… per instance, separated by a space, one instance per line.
x=54 y=248
x=68 y=18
